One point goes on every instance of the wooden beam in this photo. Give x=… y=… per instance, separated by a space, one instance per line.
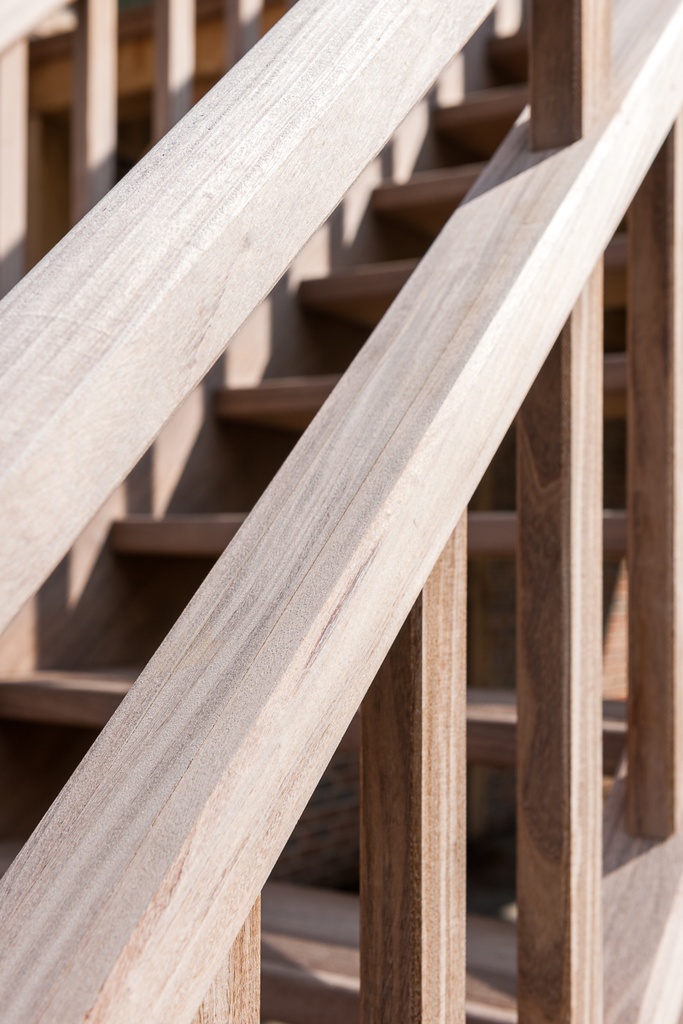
x=174 y=42
x=93 y=118
x=13 y=163
x=235 y=994
x=569 y=72
x=263 y=672
x=413 y=821
x=559 y=691
x=655 y=497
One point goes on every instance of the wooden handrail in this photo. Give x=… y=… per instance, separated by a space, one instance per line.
x=131 y=309
x=123 y=901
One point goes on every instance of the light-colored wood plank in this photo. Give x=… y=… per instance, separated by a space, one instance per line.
x=413 y=819
x=243 y=28
x=480 y=123
x=65 y=698
x=289 y=403
x=655 y=497
x=569 y=74
x=559 y=677
x=311 y=960
x=126 y=347
x=174 y=42
x=93 y=118
x=263 y=672
x=13 y=164
x=235 y=993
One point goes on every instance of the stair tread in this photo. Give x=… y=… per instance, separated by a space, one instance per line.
x=308 y=931
x=362 y=294
x=480 y=123
x=288 y=403
x=428 y=198
x=65 y=697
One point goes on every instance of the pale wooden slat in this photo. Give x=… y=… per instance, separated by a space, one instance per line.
x=174 y=45
x=13 y=163
x=93 y=119
x=243 y=28
x=569 y=72
x=412 y=847
x=235 y=993
x=19 y=17
x=301 y=628
x=655 y=497
x=168 y=242
x=559 y=600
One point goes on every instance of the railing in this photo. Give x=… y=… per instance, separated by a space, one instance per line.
x=142 y=875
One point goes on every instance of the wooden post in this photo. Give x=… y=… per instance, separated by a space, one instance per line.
x=569 y=68
x=413 y=761
x=13 y=164
x=655 y=450
x=93 y=170
x=559 y=678
x=243 y=28
x=174 y=62
x=235 y=996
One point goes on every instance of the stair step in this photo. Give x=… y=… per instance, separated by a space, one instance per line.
x=509 y=57
x=490 y=534
x=479 y=124
x=310 y=959
x=428 y=199
x=289 y=403
x=362 y=295
x=65 y=698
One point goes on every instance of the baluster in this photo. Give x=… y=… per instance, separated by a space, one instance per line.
x=13 y=163
x=93 y=170
x=413 y=763
x=559 y=585
x=655 y=449
x=235 y=995
x=243 y=28
x=174 y=62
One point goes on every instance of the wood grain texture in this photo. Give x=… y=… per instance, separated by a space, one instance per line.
x=93 y=118
x=655 y=497
x=156 y=334
x=569 y=73
x=13 y=164
x=413 y=819
x=559 y=677
x=243 y=28
x=285 y=636
x=174 y=43
x=643 y=979
x=235 y=993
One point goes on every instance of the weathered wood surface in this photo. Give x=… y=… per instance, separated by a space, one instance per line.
x=93 y=115
x=174 y=45
x=13 y=164
x=124 y=323
x=559 y=677
x=262 y=674
x=413 y=817
x=235 y=993
x=655 y=497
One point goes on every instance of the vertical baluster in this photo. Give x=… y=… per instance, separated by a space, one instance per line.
x=559 y=587
x=174 y=64
x=93 y=169
x=413 y=765
x=243 y=28
x=13 y=163
x=235 y=995
x=655 y=449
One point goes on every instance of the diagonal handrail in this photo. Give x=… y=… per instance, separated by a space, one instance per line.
x=101 y=342
x=142 y=872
